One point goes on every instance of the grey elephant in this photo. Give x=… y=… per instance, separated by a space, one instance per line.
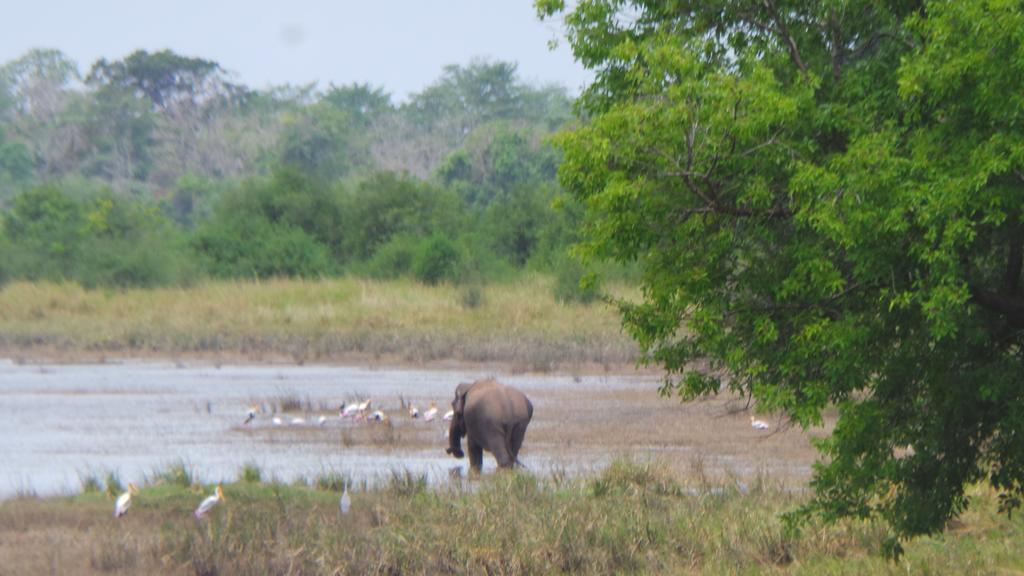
x=492 y=417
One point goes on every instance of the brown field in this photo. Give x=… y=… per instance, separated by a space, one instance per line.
x=517 y=324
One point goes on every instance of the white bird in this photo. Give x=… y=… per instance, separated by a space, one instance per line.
x=345 y=503
x=124 y=501
x=449 y=415
x=364 y=406
x=298 y=421
x=252 y=414
x=414 y=412
x=321 y=420
x=758 y=424
x=210 y=502
x=431 y=412
x=378 y=416
x=348 y=410
x=277 y=421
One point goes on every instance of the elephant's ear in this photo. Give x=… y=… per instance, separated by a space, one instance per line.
x=459 y=404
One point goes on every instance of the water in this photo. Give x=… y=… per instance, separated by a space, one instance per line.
x=61 y=422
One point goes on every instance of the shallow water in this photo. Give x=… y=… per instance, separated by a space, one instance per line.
x=59 y=423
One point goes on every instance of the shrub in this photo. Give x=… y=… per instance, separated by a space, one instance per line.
x=105 y=241
x=387 y=206
x=394 y=259
x=438 y=260
x=254 y=246
x=574 y=284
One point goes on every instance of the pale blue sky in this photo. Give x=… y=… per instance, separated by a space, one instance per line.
x=400 y=45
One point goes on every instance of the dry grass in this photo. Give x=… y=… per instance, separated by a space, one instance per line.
x=630 y=518
x=518 y=323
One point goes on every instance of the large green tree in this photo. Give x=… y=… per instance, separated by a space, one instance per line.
x=825 y=200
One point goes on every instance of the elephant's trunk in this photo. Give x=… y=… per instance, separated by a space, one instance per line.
x=455 y=434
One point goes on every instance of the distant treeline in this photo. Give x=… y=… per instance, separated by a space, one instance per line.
x=158 y=169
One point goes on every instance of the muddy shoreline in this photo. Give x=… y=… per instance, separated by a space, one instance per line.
x=135 y=415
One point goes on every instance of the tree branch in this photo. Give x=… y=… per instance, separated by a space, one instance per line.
x=777 y=213
x=1009 y=306
x=782 y=30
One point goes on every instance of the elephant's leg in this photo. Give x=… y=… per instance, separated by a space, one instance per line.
x=518 y=433
x=503 y=453
x=476 y=456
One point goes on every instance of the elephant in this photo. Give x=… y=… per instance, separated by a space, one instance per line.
x=492 y=417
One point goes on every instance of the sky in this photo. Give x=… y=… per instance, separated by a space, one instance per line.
x=399 y=45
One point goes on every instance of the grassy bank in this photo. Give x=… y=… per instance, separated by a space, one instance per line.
x=632 y=518
x=519 y=323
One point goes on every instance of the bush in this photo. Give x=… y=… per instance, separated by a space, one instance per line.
x=105 y=241
x=574 y=284
x=429 y=260
x=253 y=246
x=387 y=206
x=394 y=259
x=438 y=260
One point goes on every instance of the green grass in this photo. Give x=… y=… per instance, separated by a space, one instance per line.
x=517 y=322
x=629 y=519
x=250 y=473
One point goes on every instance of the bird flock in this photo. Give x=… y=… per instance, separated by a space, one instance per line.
x=354 y=412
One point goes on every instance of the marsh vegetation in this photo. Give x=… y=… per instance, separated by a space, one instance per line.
x=632 y=517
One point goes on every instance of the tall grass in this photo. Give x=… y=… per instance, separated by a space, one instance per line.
x=176 y=474
x=630 y=518
x=518 y=322
x=90 y=483
x=250 y=473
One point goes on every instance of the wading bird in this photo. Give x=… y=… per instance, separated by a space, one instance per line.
x=348 y=410
x=758 y=424
x=449 y=415
x=298 y=421
x=277 y=421
x=124 y=501
x=321 y=420
x=431 y=412
x=253 y=410
x=414 y=412
x=345 y=503
x=210 y=502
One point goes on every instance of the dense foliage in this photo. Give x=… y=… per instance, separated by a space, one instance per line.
x=199 y=176
x=825 y=199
